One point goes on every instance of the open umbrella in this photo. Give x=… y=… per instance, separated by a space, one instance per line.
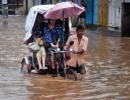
x=64 y=10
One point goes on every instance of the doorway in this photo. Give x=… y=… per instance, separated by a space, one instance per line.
x=125 y=26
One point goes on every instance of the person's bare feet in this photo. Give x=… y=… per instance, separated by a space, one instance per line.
x=42 y=68
x=45 y=67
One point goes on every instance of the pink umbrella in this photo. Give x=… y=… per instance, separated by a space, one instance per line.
x=64 y=10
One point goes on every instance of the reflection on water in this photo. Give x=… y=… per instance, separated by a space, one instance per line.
x=107 y=78
x=13 y=84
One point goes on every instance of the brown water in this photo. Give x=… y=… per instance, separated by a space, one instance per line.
x=107 y=78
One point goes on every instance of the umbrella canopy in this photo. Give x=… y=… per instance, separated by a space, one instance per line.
x=64 y=10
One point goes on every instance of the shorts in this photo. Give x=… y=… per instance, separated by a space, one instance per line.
x=41 y=52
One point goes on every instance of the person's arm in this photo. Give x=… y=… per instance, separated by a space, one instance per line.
x=66 y=47
x=85 y=45
x=47 y=37
x=79 y=51
x=84 y=48
x=55 y=46
x=60 y=32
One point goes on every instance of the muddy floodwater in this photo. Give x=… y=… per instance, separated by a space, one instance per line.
x=107 y=78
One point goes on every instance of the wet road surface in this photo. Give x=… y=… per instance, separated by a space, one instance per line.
x=13 y=84
x=107 y=78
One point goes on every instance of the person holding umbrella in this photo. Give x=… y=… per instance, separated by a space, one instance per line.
x=52 y=36
x=52 y=33
x=64 y=10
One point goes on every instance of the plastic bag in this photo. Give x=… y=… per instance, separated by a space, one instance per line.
x=34 y=46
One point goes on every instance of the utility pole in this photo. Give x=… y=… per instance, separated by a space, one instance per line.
x=26 y=7
x=92 y=10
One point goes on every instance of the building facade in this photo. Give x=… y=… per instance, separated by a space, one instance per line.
x=23 y=6
x=125 y=18
x=108 y=14
x=13 y=6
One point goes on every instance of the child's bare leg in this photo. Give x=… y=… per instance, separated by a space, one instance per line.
x=43 y=57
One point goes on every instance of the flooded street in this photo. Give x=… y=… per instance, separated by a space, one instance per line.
x=13 y=84
x=107 y=78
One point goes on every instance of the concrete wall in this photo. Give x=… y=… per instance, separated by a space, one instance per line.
x=92 y=12
x=36 y=2
x=127 y=0
x=30 y=4
x=114 y=14
x=103 y=13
